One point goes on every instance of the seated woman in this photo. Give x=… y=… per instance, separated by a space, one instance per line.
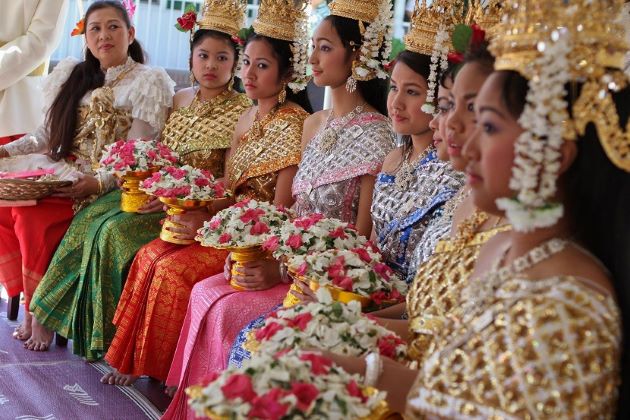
x=78 y=295
x=109 y=96
x=263 y=159
x=343 y=151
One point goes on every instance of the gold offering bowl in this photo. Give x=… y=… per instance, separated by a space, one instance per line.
x=178 y=206
x=132 y=197
x=241 y=255
x=337 y=294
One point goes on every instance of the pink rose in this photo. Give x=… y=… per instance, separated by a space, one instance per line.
x=383 y=270
x=387 y=345
x=268 y=406
x=319 y=364
x=294 y=241
x=202 y=182
x=363 y=254
x=225 y=238
x=259 y=228
x=215 y=223
x=251 y=215
x=302 y=269
x=300 y=321
x=271 y=244
x=305 y=393
x=343 y=282
x=209 y=378
x=338 y=233
x=219 y=190
x=268 y=331
x=355 y=391
x=337 y=268
x=242 y=204
x=151 y=154
x=238 y=386
x=379 y=297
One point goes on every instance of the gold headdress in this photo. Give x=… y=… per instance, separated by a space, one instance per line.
x=227 y=16
x=376 y=39
x=486 y=15
x=425 y=23
x=552 y=42
x=280 y=19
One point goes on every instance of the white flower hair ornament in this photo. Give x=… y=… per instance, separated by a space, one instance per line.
x=376 y=46
x=537 y=150
x=299 y=59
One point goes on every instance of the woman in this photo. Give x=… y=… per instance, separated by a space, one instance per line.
x=414 y=184
x=79 y=293
x=110 y=95
x=335 y=179
x=551 y=315
x=263 y=160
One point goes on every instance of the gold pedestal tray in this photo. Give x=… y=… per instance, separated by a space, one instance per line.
x=337 y=294
x=178 y=206
x=132 y=198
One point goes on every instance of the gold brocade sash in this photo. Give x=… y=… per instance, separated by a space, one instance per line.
x=41 y=70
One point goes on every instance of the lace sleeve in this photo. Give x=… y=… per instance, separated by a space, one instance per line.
x=151 y=96
x=544 y=349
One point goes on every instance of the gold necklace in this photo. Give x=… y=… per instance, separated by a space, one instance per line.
x=256 y=131
x=329 y=135
x=405 y=173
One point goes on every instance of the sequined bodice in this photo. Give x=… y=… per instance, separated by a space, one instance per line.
x=253 y=167
x=202 y=132
x=401 y=212
x=330 y=183
x=546 y=348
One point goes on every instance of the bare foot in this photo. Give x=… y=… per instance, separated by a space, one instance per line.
x=40 y=339
x=117 y=378
x=23 y=331
x=170 y=391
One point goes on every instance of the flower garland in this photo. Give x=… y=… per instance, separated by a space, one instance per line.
x=299 y=57
x=377 y=36
x=334 y=326
x=439 y=63
x=312 y=233
x=184 y=183
x=135 y=155
x=283 y=386
x=537 y=150
x=247 y=223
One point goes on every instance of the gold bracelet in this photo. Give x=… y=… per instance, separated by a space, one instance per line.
x=100 y=185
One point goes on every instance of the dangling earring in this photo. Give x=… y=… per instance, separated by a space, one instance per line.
x=230 y=86
x=283 y=94
x=192 y=79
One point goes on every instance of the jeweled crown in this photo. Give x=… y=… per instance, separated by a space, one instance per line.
x=227 y=16
x=280 y=19
x=486 y=15
x=425 y=23
x=362 y=10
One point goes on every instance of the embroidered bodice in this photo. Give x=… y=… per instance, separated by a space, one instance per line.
x=435 y=290
x=254 y=165
x=202 y=132
x=329 y=183
x=546 y=348
x=401 y=213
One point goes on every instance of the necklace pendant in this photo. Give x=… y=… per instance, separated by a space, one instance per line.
x=328 y=140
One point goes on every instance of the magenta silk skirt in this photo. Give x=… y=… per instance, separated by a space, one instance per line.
x=216 y=314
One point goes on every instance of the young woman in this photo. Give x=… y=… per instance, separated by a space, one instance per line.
x=263 y=160
x=343 y=151
x=109 y=96
x=414 y=184
x=79 y=293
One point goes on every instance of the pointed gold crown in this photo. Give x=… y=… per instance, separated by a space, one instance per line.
x=280 y=19
x=425 y=23
x=227 y=16
x=361 y=10
x=486 y=15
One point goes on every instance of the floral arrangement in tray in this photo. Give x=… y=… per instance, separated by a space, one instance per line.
x=286 y=385
x=313 y=233
x=360 y=271
x=334 y=326
x=248 y=223
x=183 y=183
x=136 y=155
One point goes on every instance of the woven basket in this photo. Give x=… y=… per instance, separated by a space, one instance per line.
x=24 y=189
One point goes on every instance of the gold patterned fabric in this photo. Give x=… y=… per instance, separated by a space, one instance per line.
x=433 y=296
x=202 y=132
x=545 y=348
x=252 y=170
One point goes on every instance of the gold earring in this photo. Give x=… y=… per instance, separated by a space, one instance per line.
x=192 y=79
x=283 y=95
x=230 y=86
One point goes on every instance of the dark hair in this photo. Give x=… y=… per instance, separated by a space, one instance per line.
x=202 y=34
x=448 y=75
x=480 y=55
x=282 y=52
x=597 y=198
x=62 y=116
x=373 y=91
x=421 y=65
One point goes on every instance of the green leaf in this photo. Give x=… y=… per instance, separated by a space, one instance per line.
x=342 y=405
x=190 y=7
x=461 y=37
x=337 y=310
x=179 y=28
x=397 y=47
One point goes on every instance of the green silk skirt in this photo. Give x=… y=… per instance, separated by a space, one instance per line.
x=77 y=296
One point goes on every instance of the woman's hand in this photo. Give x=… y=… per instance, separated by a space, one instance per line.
x=188 y=223
x=84 y=186
x=152 y=205
x=307 y=295
x=258 y=275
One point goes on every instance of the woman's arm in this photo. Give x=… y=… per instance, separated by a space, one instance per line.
x=364 y=216
x=283 y=186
